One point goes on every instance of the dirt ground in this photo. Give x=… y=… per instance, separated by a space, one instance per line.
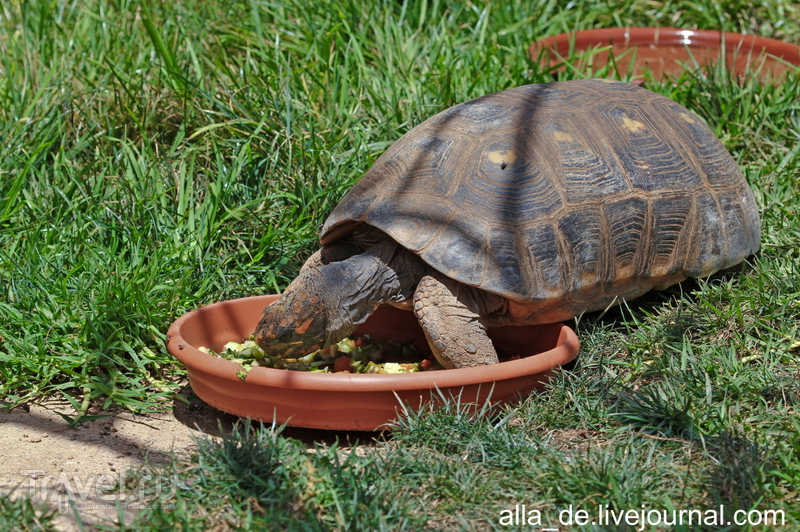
x=80 y=467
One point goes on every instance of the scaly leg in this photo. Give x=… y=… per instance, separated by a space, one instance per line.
x=449 y=317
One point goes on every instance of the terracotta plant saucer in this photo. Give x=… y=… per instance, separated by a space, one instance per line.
x=344 y=401
x=666 y=51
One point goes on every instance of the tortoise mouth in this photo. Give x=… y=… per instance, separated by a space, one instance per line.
x=292 y=347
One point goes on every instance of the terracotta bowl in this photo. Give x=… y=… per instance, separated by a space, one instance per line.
x=667 y=51
x=344 y=401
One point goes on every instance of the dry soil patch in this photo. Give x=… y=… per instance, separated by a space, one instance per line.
x=82 y=466
x=56 y=464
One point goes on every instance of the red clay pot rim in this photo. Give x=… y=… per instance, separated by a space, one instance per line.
x=566 y=349
x=638 y=36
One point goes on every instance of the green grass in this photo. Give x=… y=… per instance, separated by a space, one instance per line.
x=163 y=155
x=21 y=515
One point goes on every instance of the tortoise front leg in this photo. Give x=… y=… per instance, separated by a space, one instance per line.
x=450 y=320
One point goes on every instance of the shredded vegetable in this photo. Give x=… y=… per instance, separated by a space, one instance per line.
x=352 y=355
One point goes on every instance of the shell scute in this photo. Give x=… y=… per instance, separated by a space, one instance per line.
x=626 y=221
x=672 y=223
x=647 y=151
x=707 y=255
x=586 y=174
x=585 y=242
x=548 y=259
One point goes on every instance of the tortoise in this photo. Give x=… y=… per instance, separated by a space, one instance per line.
x=527 y=206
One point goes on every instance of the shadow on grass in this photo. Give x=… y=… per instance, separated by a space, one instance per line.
x=204 y=418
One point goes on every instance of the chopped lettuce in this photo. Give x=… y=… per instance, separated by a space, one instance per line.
x=358 y=355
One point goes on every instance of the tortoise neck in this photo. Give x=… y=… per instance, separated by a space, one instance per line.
x=355 y=287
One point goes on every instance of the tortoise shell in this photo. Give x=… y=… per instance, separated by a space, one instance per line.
x=565 y=196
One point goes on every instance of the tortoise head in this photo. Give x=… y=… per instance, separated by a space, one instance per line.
x=327 y=302
x=295 y=324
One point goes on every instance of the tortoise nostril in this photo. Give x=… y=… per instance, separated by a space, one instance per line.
x=284 y=336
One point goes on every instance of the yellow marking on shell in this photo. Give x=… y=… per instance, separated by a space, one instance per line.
x=688 y=118
x=563 y=136
x=634 y=126
x=502 y=156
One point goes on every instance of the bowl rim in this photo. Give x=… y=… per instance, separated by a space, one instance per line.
x=643 y=35
x=565 y=350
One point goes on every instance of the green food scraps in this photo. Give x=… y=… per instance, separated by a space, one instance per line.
x=352 y=355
